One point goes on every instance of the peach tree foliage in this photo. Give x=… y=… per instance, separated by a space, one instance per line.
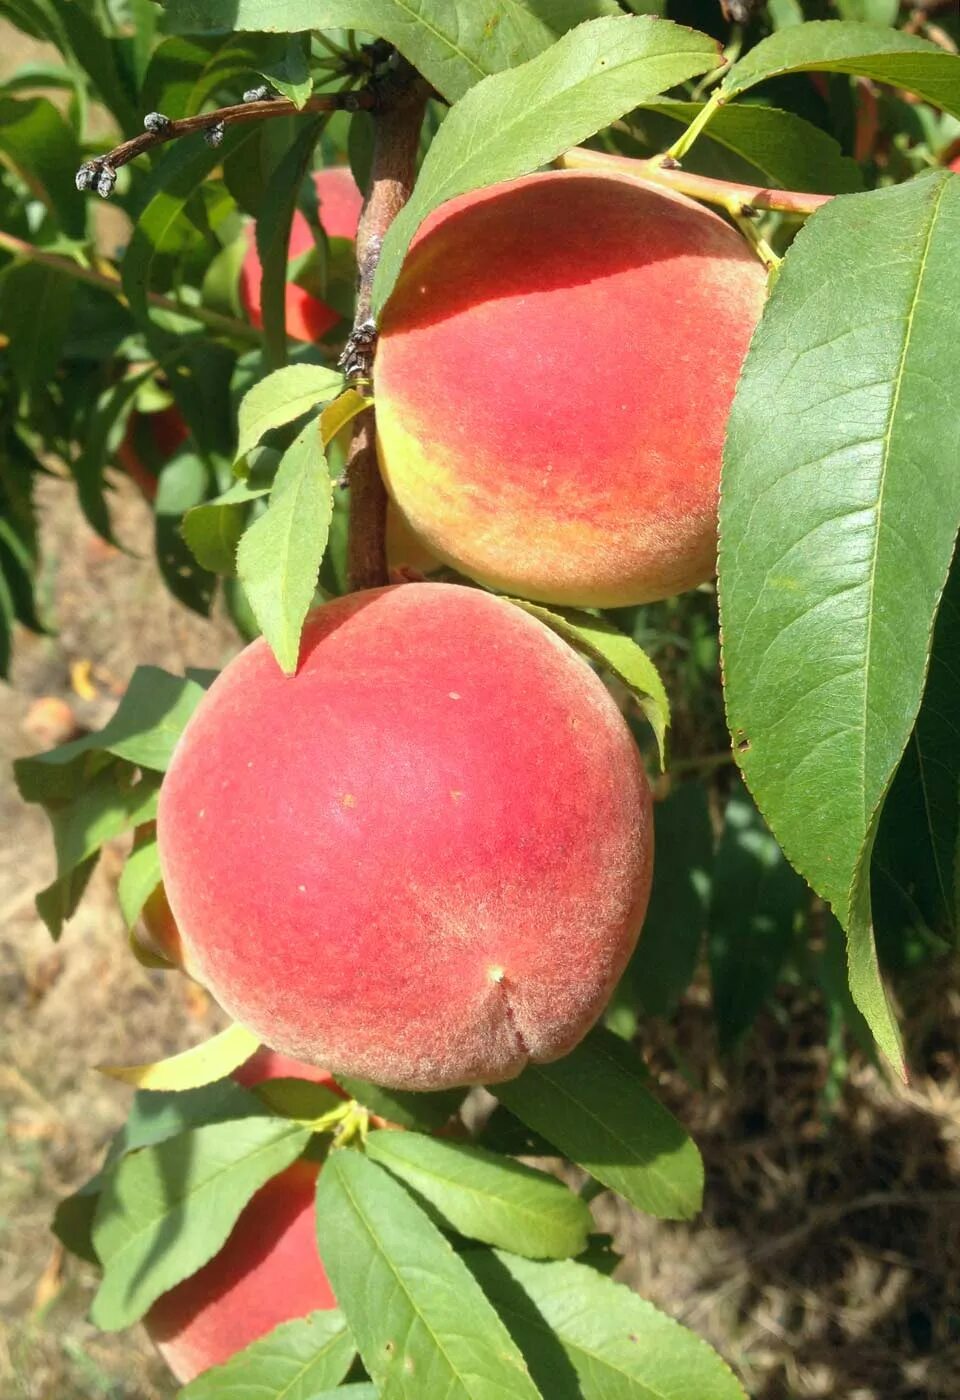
x=839 y=514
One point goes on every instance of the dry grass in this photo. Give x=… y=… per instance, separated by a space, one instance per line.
x=827 y=1260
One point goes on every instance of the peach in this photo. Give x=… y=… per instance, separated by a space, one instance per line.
x=149 y=441
x=424 y=859
x=268 y=1272
x=266 y=1064
x=339 y=203
x=553 y=379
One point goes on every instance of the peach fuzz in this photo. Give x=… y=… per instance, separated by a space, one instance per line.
x=553 y=379
x=339 y=204
x=422 y=860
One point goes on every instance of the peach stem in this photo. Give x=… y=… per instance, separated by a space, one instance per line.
x=734 y=198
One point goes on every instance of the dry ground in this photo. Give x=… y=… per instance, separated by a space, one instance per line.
x=827 y=1261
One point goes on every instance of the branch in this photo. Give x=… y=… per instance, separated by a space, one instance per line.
x=101 y=173
x=397 y=121
x=225 y=325
x=733 y=198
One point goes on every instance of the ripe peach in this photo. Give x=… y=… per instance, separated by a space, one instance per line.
x=268 y=1272
x=424 y=859
x=267 y=1064
x=339 y=206
x=553 y=379
x=149 y=441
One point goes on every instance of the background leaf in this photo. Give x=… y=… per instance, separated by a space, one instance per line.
x=757 y=896
x=841 y=46
x=676 y=919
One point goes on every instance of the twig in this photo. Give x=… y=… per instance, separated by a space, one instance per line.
x=397 y=121
x=100 y=172
x=225 y=325
x=723 y=193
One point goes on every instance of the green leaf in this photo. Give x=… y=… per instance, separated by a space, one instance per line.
x=584 y=82
x=144 y=730
x=781 y=147
x=73 y=1220
x=290 y=73
x=278 y=559
x=282 y=397
x=586 y=1337
x=139 y=879
x=453 y=46
x=289 y=1363
x=487 y=1197
x=425 y=1113
x=756 y=899
x=46 y=154
x=840 y=46
x=212 y=533
x=157 y=1115
x=274 y=222
x=177 y=176
x=595 y=1105
x=422 y=1325
x=616 y=653
x=181 y=485
x=666 y=956
x=915 y=859
x=36 y=304
x=108 y=805
x=361 y=1390
x=167 y=1209
x=213 y=1059
x=839 y=510
x=58 y=902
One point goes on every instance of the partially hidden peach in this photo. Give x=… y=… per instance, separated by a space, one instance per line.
x=424 y=859
x=269 y=1270
x=339 y=204
x=553 y=378
x=149 y=441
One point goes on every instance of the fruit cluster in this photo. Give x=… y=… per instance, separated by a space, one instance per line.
x=424 y=859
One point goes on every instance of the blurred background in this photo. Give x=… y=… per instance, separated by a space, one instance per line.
x=827 y=1260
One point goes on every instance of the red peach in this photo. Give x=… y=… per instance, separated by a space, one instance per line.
x=340 y=203
x=149 y=441
x=268 y=1272
x=423 y=859
x=553 y=379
